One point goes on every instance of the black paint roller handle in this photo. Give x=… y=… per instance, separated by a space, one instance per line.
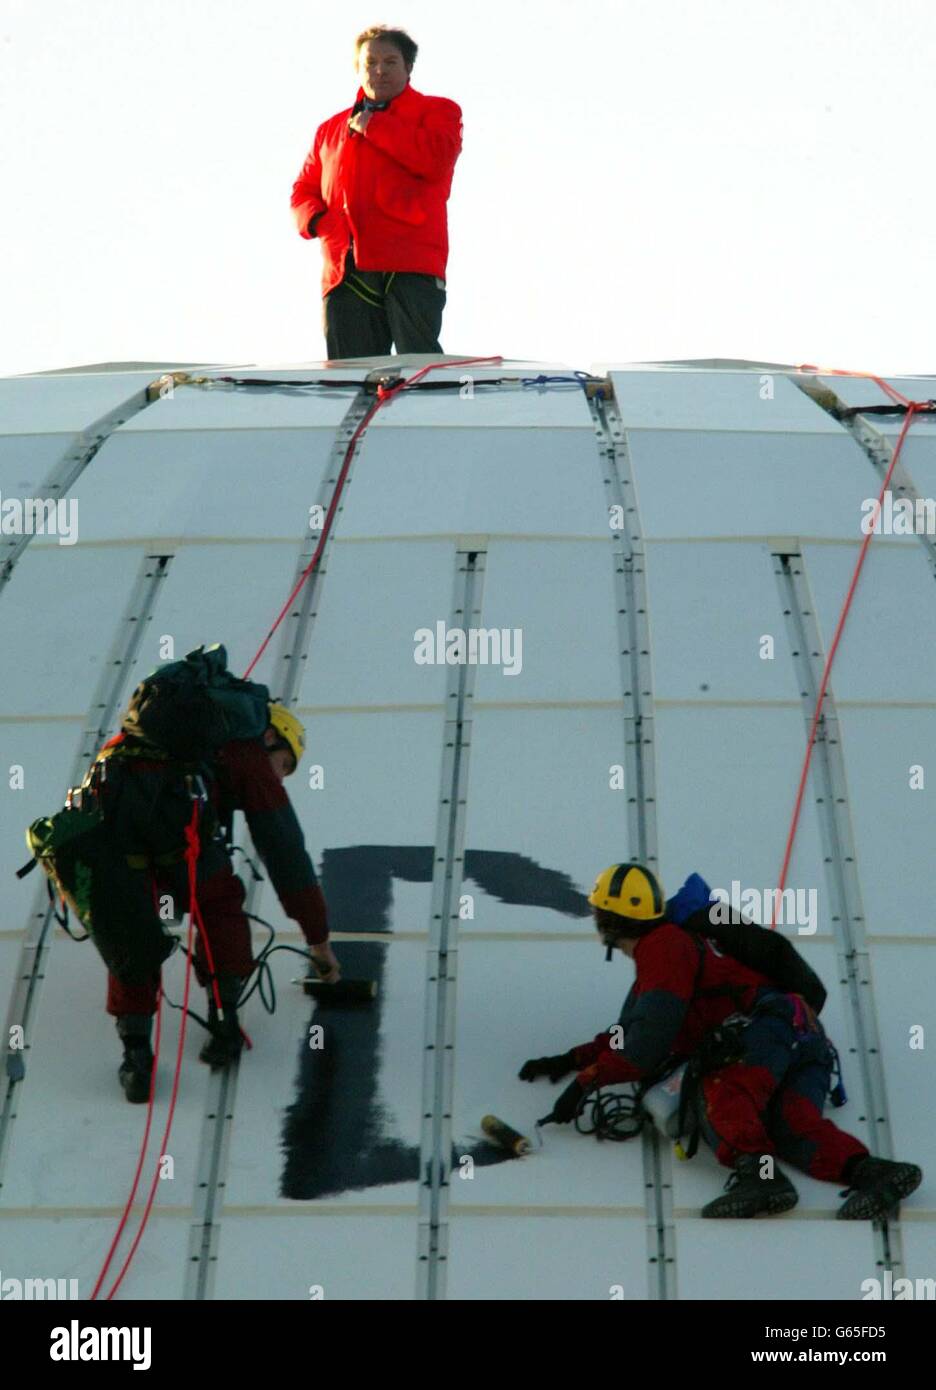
x=342 y=992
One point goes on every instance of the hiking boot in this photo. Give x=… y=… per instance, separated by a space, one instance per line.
x=224 y=1044
x=225 y=1040
x=876 y=1185
x=748 y=1194
x=136 y=1070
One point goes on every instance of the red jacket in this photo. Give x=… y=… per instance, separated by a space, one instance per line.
x=664 y=1014
x=247 y=782
x=386 y=188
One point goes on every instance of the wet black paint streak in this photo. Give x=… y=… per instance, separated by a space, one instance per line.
x=358 y=882
x=335 y=1133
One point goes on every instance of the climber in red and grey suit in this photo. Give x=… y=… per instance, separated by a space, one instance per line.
x=248 y=776
x=768 y=1103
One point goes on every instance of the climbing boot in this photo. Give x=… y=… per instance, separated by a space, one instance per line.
x=225 y=1040
x=875 y=1185
x=136 y=1069
x=748 y=1194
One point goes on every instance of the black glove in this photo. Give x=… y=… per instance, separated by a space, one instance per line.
x=553 y=1067
x=567 y=1106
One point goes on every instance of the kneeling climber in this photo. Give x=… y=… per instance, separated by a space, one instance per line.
x=767 y=1102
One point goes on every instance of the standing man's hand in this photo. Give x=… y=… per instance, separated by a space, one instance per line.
x=359 y=121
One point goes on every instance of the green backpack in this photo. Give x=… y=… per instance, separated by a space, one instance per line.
x=91 y=873
x=191 y=707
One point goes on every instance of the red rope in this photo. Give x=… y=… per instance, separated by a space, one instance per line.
x=885 y=386
x=912 y=408
x=192 y=852
x=191 y=855
x=384 y=396
x=143 y=1147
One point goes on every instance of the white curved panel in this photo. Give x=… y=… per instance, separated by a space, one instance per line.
x=711 y=606
x=760 y=1268
x=886 y=653
x=540 y=787
x=728 y=826
x=558 y=1258
x=905 y=989
x=76 y=1139
x=887 y=750
x=919 y=1244
x=54 y=616
x=221 y=593
x=745 y=485
x=918 y=457
x=192 y=484
x=67 y=403
x=377 y=596
x=558 y=637
x=297 y=1257
x=762 y=401
x=372 y=764
x=453 y=482
x=75 y=1247
x=25 y=462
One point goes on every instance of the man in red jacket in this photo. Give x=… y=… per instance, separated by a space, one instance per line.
x=765 y=1105
x=373 y=189
x=249 y=775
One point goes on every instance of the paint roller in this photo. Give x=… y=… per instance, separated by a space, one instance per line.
x=340 y=994
x=505 y=1137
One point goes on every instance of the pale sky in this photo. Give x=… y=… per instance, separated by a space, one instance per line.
x=640 y=181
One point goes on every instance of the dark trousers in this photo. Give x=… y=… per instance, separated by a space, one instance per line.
x=373 y=309
x=221 y=899
x=771 y=1102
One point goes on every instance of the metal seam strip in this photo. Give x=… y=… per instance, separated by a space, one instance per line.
x=830 y=787
x=442 y=953
x=636 y=679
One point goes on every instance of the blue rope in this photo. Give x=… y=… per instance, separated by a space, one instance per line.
x=577 y=379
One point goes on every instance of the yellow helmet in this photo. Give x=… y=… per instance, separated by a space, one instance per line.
x=289 y=728
x=631 y=891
